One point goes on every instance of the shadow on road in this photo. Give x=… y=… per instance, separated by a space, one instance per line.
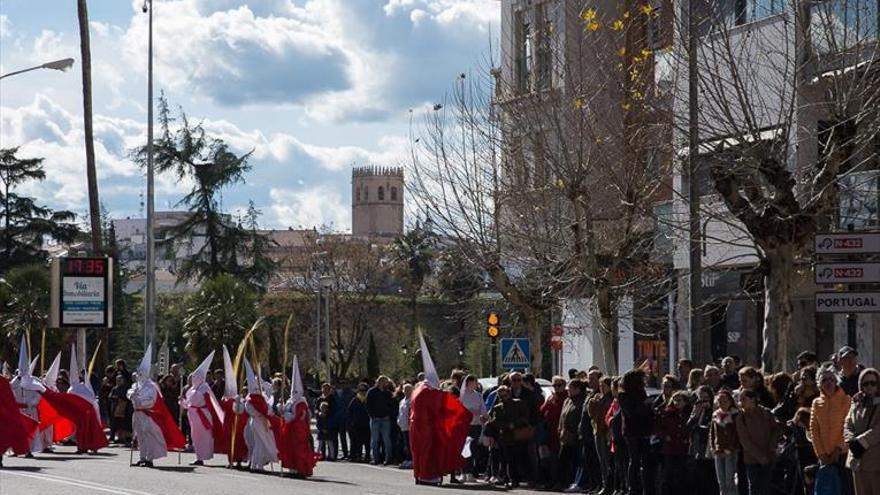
x=65 y=458
x=31 y=469
x=174 y=469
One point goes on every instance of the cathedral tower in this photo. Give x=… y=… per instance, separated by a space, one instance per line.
x=377 y=201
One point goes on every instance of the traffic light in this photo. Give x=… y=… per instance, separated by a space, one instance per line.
x=492 y=329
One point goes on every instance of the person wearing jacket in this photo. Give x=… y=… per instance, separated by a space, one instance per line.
x=551 y=410
x=617 y=442
x=861 y=431
x=758 y=435
x=381 y=408
x=724 y=442
x=597 y=409
x=359 y=426
x=699 y=454
x=570 y=458
x=826 y=425
x=672 y=429
x=509 y=418
x=638 y=419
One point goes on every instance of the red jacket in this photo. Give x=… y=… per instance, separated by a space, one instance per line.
x=551 y=410
x=672 y=429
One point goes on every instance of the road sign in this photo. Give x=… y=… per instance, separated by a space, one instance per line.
x=848 y=273
x=847 y=243
x=515 y=353
x=82 y=292
x=848 y=302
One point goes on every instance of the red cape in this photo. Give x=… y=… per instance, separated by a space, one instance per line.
x=75 y=409
x=49 y=417
x=16 y=429
x=229 y=423
x=259 y=403
x=296 y=451
x=438 y=428
x=159 y=413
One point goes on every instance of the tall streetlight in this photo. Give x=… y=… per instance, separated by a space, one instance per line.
x=62 y=65
x=150 y=299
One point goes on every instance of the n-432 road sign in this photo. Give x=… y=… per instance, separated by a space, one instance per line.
x=847 y=273
x=847 y=243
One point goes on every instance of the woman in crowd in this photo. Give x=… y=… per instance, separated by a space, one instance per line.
x=758 y=435
x=597 y=409
x=673 y=432
x=862 y=434
x=799 y=430
x=121 y=412
x=638 y=419
x=699 y=453
x=570 y=458
x=695 y=379
x=617 y=442
x=751 y=379
x=724 y=442
x=403 y=423
x=826 y=425
x=472 y=400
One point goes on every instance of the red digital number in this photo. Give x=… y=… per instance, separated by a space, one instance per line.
x=99 y=267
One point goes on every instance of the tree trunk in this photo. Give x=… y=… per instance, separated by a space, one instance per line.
x=533 y=326
x=603 y=315
x=91 y=171
x=778 y=283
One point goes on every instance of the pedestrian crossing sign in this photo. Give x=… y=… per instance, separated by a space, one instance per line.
x=515 y=353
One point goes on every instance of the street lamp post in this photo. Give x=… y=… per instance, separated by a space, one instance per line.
x=150 y=299
x=62 y=65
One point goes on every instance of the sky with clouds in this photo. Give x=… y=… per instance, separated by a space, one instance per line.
x=312 y=87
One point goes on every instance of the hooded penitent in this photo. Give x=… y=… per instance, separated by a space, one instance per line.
x=25 y=379
x=18 y=429
x=233 y=421
x=438 y=425
x=296 y=452
x=205 y=414
x=158 y=412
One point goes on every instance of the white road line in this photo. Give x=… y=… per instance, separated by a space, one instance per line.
x=78 y=483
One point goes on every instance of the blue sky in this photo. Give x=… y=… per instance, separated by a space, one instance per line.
x=313 y=87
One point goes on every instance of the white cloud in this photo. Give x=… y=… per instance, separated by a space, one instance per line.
x=316 y=207
x=5 y=26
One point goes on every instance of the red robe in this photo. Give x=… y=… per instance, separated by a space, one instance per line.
x=16 y=429
x=295 y=449
x=259 y=403
x=89 y=432
x=438 y=428
x=159 y=413
x=229 y=423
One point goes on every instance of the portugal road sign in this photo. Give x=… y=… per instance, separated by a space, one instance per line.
x=848 y=302
x=847 y=273
x=515 y=353
x=848 y=243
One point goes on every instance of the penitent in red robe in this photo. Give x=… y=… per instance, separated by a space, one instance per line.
x=159 y=413
x=295 y=449
x=229 y=423
x=16 y=429
x=89 y=432
x=438 y=428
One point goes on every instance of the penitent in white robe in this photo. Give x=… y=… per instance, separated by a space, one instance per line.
x=260 y=440
x=151 y=443
x=202 y=437
x=27 y=402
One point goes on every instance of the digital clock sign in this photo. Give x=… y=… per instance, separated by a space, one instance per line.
x=82 y=290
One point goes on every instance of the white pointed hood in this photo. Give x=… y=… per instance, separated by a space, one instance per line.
x=200 y=375
x=33 y=365
x=23 y=364
x=431 y=376
x=297 y=391
x=145 y=369
x=252 y=385
x=231 y=381
x=51 y=379
x=74 y=366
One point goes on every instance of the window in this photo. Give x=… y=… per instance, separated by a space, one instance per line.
x=358 y=195
x=381 y=193
x=545 y=47
x=524 y=51
x=366 y=194
x=393 y=193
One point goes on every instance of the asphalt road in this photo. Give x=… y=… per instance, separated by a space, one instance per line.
x=69 y=474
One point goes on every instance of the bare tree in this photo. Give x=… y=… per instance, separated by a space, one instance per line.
x=788 y=108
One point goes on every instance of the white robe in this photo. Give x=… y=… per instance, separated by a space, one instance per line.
x=151 y=443
x=27 y=402
x=202 y=438
x=260 y=440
